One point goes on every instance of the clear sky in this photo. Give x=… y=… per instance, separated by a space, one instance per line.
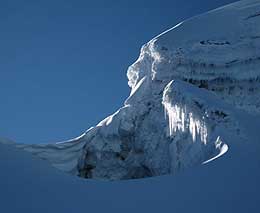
x=63 y=63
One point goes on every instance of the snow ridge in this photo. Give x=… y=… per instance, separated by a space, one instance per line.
x=188 y=86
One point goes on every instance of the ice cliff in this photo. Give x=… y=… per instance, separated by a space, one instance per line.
x=187 y=88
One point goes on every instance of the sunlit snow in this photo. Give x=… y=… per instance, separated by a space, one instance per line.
x=181 y=120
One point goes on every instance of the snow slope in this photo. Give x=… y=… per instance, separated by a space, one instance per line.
x=188 y=87
x=229 y=184
x=194 y=101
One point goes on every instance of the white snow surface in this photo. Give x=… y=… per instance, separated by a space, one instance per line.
x=189 y=85
x=195 y=100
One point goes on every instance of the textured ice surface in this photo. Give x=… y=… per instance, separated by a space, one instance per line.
x=189 y=86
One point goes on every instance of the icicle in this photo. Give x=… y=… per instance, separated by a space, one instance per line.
x=180 y=120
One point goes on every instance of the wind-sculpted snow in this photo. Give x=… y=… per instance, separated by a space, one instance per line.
x=197 y=119
x=188 y=86
x=219 y=51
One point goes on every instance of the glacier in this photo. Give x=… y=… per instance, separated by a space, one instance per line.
x=191 y=89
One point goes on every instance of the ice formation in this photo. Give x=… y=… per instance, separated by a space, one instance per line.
x=186 y=86
x=180 y=120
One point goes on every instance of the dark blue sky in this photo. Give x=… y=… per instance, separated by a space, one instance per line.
x=63 y=63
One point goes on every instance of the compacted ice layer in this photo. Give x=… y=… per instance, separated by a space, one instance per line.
x=219 y=51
